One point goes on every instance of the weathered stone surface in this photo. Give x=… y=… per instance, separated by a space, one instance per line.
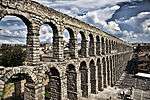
x=99 y=63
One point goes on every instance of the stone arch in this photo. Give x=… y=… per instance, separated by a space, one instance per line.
x=103 y=45
x=82 y=51
x=47 y=67
x=53 y=88
x=16 y=75
x=71 y=82
x=50 y=43
x=99 y=74
x=70 y=46
x=97 y=45
x=104 y=72
x=54 y=27
x=32 y=31
x=84 y=78
x=92 y=76
x=71 y=32
x=20 y=70
x=91 y=45
x=8 y=25
x=27 y=21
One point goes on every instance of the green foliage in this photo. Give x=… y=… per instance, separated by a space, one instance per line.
x=12 y=56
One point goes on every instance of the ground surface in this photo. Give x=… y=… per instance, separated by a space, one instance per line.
x=140 y=91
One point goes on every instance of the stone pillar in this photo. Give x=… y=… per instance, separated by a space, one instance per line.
x=84 y=47
x=2 y=85
x=17 y=90
x=33 y=44
x=108 y=72
x=105 y=74
x=87 y=48
x=93 y=79
x=34 y=92
x=73 y=48
x=103 y=48
x=100 y=77
x=63 y=87
x=111 y=71
x=89 y=82
x=84 y=82
x=98 y=48
x=79 y=91
x=115 y=69
x=107 y=46
x=110 y=47
x=92 y=48
x=115 y=47
x=58 y=51
x=96 y=77
x=94 y=53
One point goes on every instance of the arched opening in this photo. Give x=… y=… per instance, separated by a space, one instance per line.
x=108 y=71
x=107 y=46
x=97 y=45
x=48 y=31
x=81 y=44
x=113 y=47
x=84 y=79
x=71 y=82
x=110 y=46
x=111 y=71
x=104 y=72
x=93 y=76
x=14 y=30
x=91 y=45
x=17 y=87
x=116 y=46
x=99 y=75
x=103 y=45
x=115 y=68
x=53 y=85
x=69 y=43
x=113 y=60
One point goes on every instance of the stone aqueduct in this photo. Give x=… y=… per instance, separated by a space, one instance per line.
x=98 y=64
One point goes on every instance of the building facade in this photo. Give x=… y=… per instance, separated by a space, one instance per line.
x=98 y=64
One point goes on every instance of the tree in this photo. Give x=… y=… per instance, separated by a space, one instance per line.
x=12 y=56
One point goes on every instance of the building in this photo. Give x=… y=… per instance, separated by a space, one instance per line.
x=100 y=63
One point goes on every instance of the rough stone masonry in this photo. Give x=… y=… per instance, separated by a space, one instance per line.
x=98 y=64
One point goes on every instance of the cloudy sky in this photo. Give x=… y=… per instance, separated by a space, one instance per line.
x=127 y=19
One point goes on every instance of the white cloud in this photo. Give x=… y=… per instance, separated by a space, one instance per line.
x=95 y=12
x=146 y=26
x=46 y=34
x=113 y=26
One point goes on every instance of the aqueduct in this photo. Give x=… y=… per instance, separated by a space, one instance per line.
x=98 y=64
